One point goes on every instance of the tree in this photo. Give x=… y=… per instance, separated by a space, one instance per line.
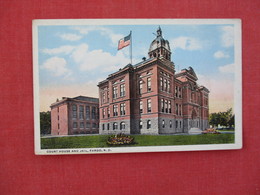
x=45 y=122
x=214 y=119
x=225 y=119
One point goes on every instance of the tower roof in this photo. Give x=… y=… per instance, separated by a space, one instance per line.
x=159 y=42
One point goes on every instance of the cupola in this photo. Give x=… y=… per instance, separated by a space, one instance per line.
x=160 y=47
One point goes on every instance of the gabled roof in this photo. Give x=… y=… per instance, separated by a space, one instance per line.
x=188 y=73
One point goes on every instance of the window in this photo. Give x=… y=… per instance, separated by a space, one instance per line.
x=163 y=123
x=165 y=85
x=114 y=92
x=115 y=110
x=180 y=110
x=103 y=97
x=87 y=125
x=140 y=124
x=81 y=112
x=94 y=125
x=170 y=124
x=103 y=127
x=169 y=86
x=122 y=125
x=93 y=113
x=74 y=111
x=122 y=90
x=176 y=91
x=141 y=107
x=87 y=113
x=162 y=105
x=161 y=83
x=166 y=106
x=149 y=84
x=108 y=112
x=149 y=105
x=140 y=87
x=176 y=124
x=179 y=92
x=104 y=112
x=75 y=125
x=107 y=126
x=169 y=106
x=81 y=125
x=180 y=124
x=149 y=124
x=122 y=109
x=177 y=109
x=114 y=126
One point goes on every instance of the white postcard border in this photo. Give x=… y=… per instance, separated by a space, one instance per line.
x=237 y=86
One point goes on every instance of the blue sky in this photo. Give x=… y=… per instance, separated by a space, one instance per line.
x=73 y=59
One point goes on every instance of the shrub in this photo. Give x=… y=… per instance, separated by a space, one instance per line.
x=120 y=139
x=210 y=131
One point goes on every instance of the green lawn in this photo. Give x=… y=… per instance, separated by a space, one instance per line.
x=99 y=141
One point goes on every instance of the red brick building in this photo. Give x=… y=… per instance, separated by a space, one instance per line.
x=149 y=98
x=79 y=115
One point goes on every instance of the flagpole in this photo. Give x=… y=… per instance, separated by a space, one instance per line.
x=131 y=47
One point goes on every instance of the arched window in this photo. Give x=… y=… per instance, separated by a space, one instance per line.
x=115 y=126
x=163 y=123
x=166 y=106
x=141 y=107
x=140 y=86
x=149 y=124
x=140 y=124
x=149 y=105
x=122 y=125
x=165 y=85
x=161 y=83
x=162 y=105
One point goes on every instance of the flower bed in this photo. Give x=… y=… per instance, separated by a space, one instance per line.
x=210 y=131
x=120 y=139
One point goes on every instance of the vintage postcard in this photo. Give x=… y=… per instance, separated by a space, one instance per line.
x=137 y=85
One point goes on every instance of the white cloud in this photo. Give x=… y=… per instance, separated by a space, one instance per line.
x=57 y=66
x=229 y=68
x=66 y=49
x=227 y=37
x=98 y=59
x=114 y=37
x=70 y=37
x=220 y=54
x=187 y=43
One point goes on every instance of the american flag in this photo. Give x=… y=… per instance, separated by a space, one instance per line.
x=124 y=42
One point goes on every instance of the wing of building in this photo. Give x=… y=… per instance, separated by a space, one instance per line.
x=78 y=115
x=150 y=98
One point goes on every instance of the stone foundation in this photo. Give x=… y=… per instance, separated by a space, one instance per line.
x=105 y=130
